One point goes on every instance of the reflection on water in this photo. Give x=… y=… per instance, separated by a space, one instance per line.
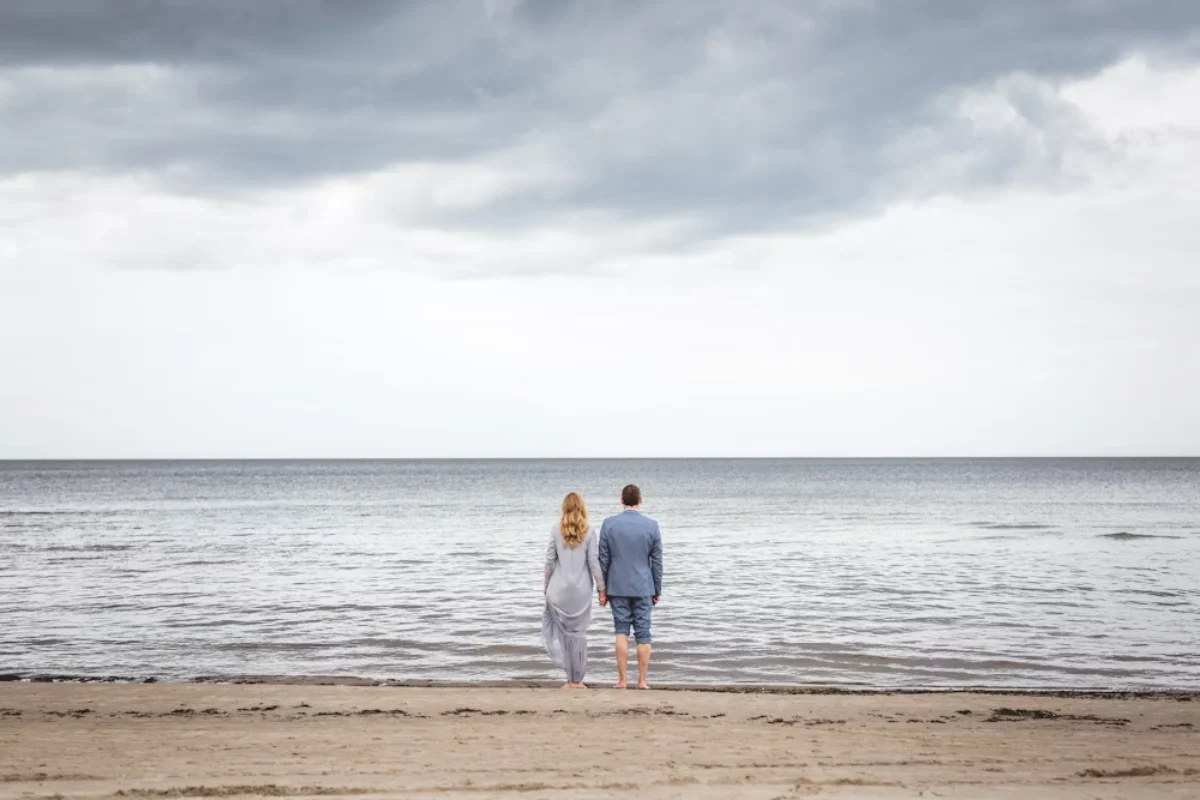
x=1071 y=573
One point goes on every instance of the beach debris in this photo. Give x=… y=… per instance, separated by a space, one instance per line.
x=370 y=712
x=1019 y=714
x=807 y=723
x=461 y=712
x=261 y=790
x=1131 y=772
x=77 y=713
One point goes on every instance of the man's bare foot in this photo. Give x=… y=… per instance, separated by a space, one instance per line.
x=620 y=686
x=574 y=686
x=643 y=685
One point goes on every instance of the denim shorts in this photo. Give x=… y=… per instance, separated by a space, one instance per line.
x=633 y=611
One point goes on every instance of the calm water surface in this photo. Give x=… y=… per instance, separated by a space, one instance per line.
x=1063 y=573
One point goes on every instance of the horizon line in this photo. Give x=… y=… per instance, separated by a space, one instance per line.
x=213 y=459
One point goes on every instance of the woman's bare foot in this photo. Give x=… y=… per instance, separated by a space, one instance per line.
x=620 y=686
x=643 y=685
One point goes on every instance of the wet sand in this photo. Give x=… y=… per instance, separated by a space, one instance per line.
x=259 y=739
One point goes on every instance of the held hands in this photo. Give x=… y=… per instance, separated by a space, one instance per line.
x=603 y=598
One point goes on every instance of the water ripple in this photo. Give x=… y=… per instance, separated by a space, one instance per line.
x=897 y=574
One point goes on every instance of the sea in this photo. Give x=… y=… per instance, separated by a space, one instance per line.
x=891 y=573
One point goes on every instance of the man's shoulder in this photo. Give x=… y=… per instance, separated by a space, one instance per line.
x=630 y=522
x=615 y=522
x=638 y=522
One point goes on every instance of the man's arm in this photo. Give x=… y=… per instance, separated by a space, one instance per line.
x=656 y=562
x=605 y=555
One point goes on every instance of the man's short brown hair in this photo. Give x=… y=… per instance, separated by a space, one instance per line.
x=631 y=496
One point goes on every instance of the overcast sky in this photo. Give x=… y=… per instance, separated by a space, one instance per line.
x=553 y=228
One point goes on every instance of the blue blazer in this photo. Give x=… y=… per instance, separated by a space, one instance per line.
x=631 y=555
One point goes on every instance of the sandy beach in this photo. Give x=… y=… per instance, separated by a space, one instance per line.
x=206 y=740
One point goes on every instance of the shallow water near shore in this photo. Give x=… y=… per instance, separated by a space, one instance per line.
x=890 y=573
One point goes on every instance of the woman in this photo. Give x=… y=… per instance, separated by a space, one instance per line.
x=572 y=572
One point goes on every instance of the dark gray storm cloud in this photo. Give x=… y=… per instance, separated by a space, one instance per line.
x=738 y=115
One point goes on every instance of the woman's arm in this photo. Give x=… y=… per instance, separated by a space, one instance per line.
x=551 y=560
x=593 y=557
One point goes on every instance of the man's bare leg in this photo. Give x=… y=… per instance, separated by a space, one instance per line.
x=622 y=659
x=643 y=654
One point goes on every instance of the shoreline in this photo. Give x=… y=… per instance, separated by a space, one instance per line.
x=1181 y=694
x=93 y=741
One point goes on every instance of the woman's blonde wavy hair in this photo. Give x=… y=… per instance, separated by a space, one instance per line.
x=574 y=522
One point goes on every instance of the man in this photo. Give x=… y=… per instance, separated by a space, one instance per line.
x=631 y=560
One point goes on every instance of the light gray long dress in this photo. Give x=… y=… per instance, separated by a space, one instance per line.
x=572 y=577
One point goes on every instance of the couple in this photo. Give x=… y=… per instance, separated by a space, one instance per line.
x=624 y=565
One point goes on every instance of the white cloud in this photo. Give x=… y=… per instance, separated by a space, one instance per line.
x=338 y=318
x=1137 y=96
